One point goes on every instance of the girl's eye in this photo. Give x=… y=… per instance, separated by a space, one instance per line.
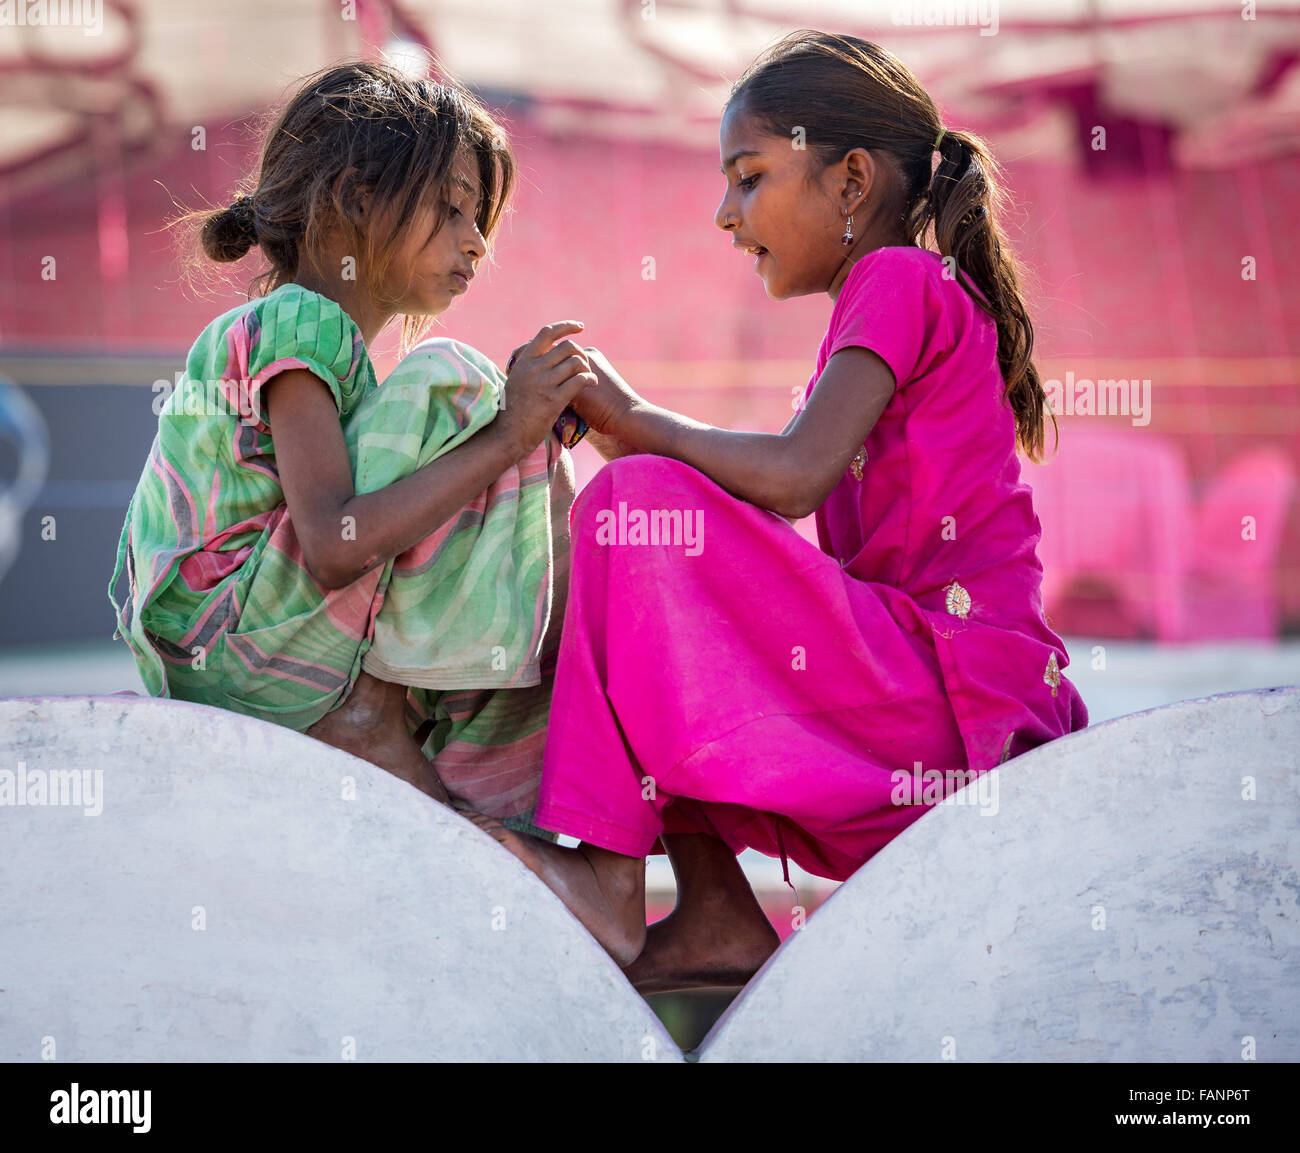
x=748 y=181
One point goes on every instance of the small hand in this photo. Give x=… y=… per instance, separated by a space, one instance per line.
x=605 y=405
x=543 y=378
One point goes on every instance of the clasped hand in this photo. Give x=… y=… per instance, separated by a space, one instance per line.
x=552 y=372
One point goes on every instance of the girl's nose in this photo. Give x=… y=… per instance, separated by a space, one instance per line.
x=725 y=217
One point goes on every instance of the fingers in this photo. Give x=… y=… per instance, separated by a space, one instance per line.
x=570 y=366
x=562 y=351
x=548 y=334
x=577 y=384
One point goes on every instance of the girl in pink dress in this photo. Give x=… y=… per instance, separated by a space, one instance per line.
x=723 y=683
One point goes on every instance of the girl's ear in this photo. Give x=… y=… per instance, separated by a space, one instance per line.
x=858 y=174
x=352 y=197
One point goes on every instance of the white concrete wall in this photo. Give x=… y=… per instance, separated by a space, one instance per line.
x=1125 y=902
x=1116 y=897
x=326 y=918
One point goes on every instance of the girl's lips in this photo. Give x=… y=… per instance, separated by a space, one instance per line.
x=461 y=280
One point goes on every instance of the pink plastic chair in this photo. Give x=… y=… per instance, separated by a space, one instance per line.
x=1116 y=517
x=1232 y=587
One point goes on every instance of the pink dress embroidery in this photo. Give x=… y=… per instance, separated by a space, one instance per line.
x=731 y=678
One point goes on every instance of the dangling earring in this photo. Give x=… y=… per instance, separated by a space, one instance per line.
x=847 y=238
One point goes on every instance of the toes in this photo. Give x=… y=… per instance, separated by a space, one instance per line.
x=490 y=825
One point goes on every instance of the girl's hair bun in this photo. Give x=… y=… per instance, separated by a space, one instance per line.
x=230 y=232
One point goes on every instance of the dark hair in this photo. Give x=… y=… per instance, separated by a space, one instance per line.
x=349 y=130
x=848 y=93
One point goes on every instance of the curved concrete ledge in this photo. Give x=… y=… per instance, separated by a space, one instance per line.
x=247 y=893
x=1125 y=902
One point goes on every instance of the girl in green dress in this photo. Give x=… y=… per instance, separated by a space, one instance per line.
x=381 y=566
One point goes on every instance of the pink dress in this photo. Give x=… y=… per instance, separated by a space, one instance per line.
x=732 y=678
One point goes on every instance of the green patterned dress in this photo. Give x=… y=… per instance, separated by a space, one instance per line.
x=223 y=611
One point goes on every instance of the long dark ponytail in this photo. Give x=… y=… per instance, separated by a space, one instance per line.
x=849 y=93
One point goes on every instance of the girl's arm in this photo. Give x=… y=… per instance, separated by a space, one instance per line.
x=316 y=473
x=790 y=472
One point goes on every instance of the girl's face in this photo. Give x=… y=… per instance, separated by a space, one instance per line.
x=431 y=269
x=772 y=208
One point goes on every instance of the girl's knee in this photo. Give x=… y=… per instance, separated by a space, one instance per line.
x=640 y=477
x=630 y=479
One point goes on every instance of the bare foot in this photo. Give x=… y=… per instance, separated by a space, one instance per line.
x=718 y=935
x=689 y=949
x=604 y=890
x=371 y=724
